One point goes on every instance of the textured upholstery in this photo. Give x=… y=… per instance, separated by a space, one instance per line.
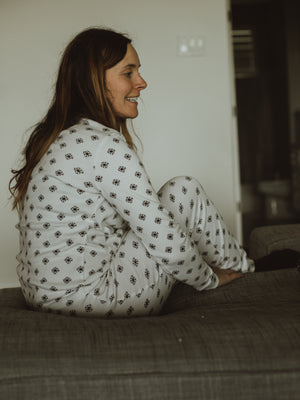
x=239 y=341
x=265 y=239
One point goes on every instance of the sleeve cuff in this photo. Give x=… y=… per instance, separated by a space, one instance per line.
x=213 y=282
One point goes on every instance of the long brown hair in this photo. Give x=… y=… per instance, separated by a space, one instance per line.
x=80 y=91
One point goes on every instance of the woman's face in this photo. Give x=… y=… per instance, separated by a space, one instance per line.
x=124 y=84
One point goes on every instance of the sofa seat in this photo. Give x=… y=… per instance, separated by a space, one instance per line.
x=240 y=341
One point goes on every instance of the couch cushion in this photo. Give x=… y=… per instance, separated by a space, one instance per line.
x=239 y=341
x=273 y=287
x=265 y=239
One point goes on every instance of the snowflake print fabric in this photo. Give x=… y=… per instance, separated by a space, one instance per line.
x=96 y=239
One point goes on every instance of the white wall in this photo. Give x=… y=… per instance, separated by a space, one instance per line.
x=185 y=122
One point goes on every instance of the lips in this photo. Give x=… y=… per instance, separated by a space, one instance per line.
x=132 y=99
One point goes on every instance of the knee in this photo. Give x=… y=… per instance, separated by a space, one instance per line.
x=187 y=183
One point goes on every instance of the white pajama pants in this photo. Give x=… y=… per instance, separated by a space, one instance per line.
x=135 y=284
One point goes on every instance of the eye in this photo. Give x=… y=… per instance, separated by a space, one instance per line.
x=128 y=74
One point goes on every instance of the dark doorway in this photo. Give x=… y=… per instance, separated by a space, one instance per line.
x=267 y=137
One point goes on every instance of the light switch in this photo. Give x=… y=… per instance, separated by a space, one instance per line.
x=190 y=46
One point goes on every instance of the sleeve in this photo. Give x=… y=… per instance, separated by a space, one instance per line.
x=123 y=181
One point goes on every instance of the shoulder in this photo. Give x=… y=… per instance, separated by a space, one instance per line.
x=87 y=137
x=89 y=131
x=90 y=142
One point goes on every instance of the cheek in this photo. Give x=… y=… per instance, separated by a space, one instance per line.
x=123 y=88
x=117 y=92
x=112 y=86
x=117 y=89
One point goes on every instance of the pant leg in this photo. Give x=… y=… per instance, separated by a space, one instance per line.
x=135 y=285
x=143 y=285
x=189 y=205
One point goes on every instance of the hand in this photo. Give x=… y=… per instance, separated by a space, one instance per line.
x=226 y=275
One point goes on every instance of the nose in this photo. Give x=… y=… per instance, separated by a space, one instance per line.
x=141 y=83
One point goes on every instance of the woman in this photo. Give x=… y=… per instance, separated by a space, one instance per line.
x=95 y=238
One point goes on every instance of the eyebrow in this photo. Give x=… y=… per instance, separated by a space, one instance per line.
x=131 y=66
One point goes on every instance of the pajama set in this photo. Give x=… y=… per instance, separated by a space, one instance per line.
x=97 y=240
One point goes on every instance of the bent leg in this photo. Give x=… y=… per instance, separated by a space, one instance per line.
x=189 y=205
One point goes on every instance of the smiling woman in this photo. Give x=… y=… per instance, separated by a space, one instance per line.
x=95 y=237
x=124 y=84
x=80 y=92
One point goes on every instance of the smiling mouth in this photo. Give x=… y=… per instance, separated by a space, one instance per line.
x=132 y=99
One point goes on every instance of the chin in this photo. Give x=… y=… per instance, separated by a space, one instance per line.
x=130 y=116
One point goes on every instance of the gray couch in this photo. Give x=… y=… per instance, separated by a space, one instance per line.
x=240 y=341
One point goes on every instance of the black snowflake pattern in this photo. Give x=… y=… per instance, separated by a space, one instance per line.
x=135 y=262
x=61 y=216
x=78 y=171
x=88 y=184
x=130 y=310
x=122 y=169
x=121 y=189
